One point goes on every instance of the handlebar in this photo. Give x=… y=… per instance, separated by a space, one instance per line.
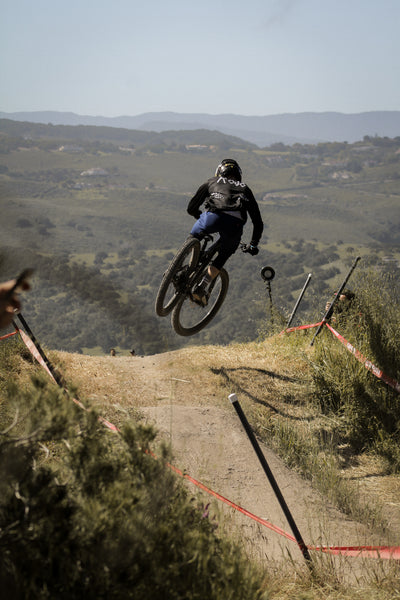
x=209 y=239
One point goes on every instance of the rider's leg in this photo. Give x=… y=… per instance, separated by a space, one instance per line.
x=230 y=231
x=206 y=223
x=211 y=274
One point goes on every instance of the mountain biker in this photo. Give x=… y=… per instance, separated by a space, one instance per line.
x=227 y=202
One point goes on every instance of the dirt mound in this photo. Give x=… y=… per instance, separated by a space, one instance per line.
x=185 y=394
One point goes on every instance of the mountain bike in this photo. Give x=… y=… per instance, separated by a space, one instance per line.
x=184 y=273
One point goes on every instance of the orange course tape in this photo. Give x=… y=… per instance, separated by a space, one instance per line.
x=32 y=348
x=300 y=327
x=233 y=505
x=384 y=552
x=3 y=337
x=356 y=353
x=367 y=363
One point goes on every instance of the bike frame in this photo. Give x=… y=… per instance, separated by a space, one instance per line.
x=206 y=254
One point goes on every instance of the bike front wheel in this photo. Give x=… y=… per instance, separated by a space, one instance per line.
x=189 y=318
x=176 y=277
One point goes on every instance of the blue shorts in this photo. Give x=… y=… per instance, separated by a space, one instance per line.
x=230 y=230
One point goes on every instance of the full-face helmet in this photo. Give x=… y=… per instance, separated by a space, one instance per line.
x=229 y=168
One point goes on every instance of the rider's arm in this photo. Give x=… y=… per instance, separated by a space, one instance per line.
x=255 y=216
x=200 y=196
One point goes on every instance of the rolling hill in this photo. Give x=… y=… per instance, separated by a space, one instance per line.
x=304 y=128
x=100 y=211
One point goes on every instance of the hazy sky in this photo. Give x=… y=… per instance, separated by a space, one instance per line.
x=254 y=57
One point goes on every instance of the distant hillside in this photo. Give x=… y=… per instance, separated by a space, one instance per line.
x=100 y=221
x=119 y=135
x=309 y=127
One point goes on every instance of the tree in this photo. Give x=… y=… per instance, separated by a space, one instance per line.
x=100 y=257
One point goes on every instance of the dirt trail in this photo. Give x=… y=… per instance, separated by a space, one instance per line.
x=191 y=410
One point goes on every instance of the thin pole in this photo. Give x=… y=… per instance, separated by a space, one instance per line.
x=271 y=478
x=268 y=284
x=336 y=298
x=39 y=349
x=299 y=300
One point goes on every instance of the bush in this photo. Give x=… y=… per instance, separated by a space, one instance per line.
x=85 y=513
x=369 y=410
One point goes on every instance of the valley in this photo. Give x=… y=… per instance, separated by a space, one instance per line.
x=99 y=222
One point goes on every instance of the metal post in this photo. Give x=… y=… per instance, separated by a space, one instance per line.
x=336 y=298
x=299 y=300
x=39 y=349
x=271 y=478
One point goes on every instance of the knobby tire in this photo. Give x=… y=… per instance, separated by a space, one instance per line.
x=175 y=275
x=202 y=315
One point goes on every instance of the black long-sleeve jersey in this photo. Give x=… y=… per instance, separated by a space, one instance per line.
x=220 y=194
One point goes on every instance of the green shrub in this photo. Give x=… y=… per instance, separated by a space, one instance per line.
x=368 y=409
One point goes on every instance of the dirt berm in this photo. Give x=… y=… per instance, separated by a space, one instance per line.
x=185 y=394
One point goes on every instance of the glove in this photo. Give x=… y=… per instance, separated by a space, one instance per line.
x=252 y=249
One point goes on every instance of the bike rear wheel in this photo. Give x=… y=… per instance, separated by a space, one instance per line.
x=189 y=318
x=175 y=278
